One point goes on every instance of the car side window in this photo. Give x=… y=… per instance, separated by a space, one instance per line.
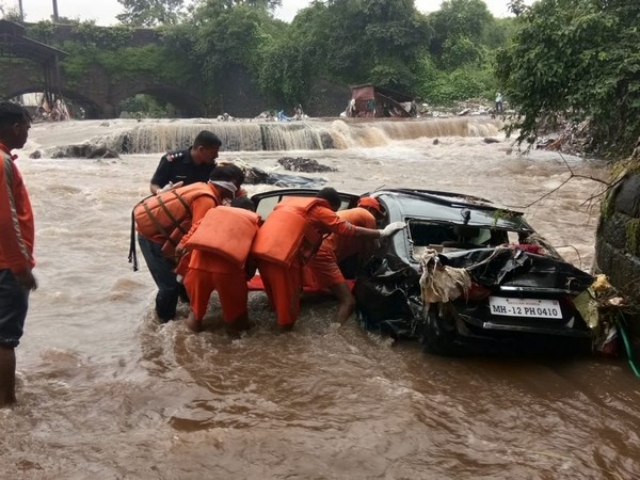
x=266 y=206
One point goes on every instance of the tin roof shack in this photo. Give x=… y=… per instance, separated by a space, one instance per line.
x=370 y=101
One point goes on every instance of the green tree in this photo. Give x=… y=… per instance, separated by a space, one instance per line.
x=148 y=13
x=356 y=41
x=458 y=19
x=577 y=60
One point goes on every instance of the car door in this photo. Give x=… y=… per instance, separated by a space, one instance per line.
x=265 y=202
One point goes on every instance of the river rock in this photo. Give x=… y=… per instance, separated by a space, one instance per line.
x=85 y=150
x=306 y=165
x=490 y=140
x=255 y=176
x=628 y=197
x=36 y=154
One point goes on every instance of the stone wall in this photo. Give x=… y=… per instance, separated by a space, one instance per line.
x=618 y=236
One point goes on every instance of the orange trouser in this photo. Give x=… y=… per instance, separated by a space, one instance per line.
x=323 y=270
x=232 y=290
x=283 y=286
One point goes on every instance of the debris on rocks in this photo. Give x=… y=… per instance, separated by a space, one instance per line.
x=306 y=165
x=85 y=150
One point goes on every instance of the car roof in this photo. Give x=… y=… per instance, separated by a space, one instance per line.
x=448 y=207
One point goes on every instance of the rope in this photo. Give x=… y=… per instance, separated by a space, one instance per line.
x=627 y=345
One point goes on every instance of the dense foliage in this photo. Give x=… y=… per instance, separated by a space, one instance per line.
x=441 y=57
x=577 y=60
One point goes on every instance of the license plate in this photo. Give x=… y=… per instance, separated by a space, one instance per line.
x=525 y=307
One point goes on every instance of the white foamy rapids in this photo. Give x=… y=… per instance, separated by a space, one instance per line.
x=154 y=136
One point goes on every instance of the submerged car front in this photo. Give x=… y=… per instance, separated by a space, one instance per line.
x=467 y=273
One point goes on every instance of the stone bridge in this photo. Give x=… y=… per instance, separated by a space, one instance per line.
x=100 y=92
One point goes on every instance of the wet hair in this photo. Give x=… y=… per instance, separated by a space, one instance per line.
x=227 y=172
x=331 y=196
x=244 y=202
x=207 y=139
x=12 y=113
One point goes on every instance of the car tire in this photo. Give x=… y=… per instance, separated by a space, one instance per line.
x=439 y=334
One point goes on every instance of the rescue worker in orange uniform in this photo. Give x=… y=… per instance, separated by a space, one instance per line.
x=291 y=236
x=162 y=221
x=219 y=262
x=324 y=271
x=17 y=235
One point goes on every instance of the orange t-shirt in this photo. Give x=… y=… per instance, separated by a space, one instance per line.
x=17 y=229
x=325 y=220
x=344 y=246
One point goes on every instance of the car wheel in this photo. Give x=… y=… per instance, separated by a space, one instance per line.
x=439 y=332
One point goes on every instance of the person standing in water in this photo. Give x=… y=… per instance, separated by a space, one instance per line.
x=184 y=167
x=17 y=233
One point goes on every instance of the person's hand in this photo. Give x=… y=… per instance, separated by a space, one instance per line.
x=392 y=229
x=169 y=186
x=26 y=280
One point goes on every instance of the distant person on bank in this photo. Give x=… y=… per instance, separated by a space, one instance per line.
x=184 y=167
x=17 y=234
x=499 y=103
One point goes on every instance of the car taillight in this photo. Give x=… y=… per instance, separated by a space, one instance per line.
x=477 y=293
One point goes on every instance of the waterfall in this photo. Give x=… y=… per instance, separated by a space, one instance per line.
x=314 y=135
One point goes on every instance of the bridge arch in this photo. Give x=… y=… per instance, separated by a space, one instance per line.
x=92 y=109
x=186 y=104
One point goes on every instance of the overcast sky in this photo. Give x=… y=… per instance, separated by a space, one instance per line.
x=104 y=11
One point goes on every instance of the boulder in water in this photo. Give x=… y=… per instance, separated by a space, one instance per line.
x=490 y=140
x=85 y=150
x=35 y=155
x=255 y=175
x=306 y=165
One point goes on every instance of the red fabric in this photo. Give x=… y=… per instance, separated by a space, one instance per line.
x=17 y=229
x=283 y=286
x=232 y=291
x=530 y=248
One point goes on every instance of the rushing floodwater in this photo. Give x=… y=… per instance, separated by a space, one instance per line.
x=107 y=393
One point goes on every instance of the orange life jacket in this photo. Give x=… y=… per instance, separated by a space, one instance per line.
x=169 y=214
x=286 y=234
x=226 y=231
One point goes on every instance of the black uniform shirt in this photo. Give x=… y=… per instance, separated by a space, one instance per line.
x=178 y=166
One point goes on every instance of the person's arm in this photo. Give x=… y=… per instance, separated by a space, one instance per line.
x=161 y=177
x=12 y=245
x=334 y=224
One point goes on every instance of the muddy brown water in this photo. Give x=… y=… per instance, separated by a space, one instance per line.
x=107 y=393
